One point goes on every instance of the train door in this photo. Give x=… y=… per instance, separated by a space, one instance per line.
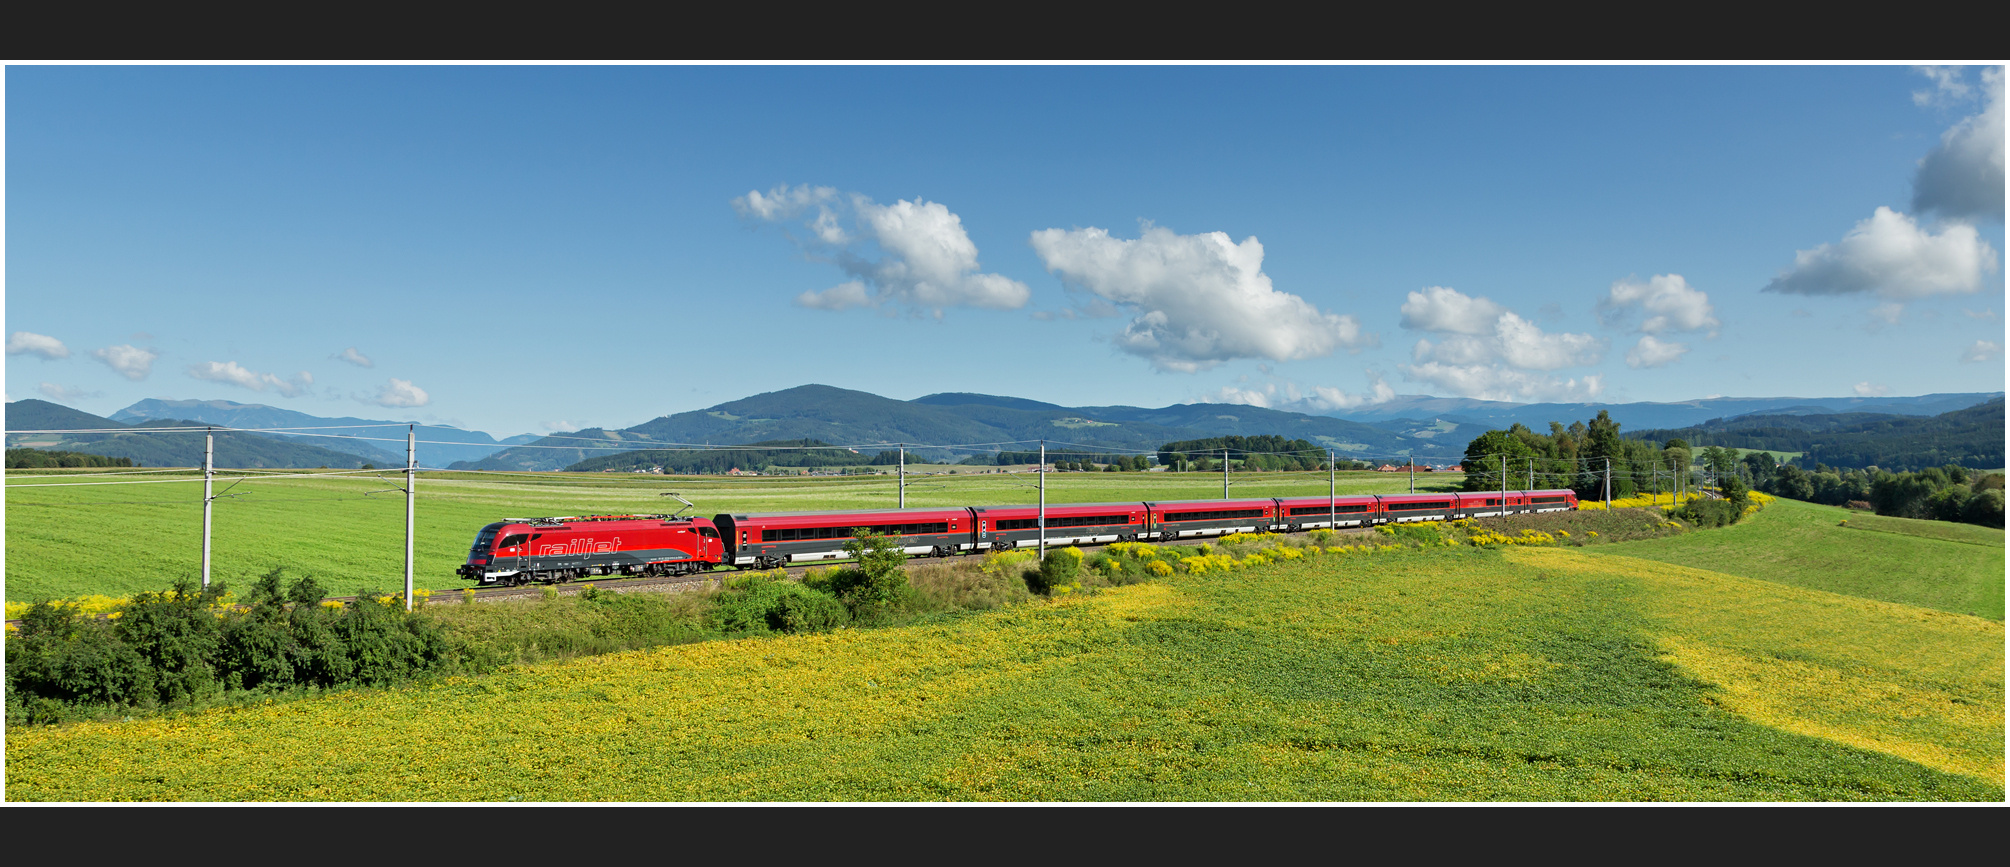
x=512 y=553
x=710 y=549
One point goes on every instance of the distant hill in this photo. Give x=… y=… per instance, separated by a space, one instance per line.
x=234 y=449
x=32 y=414
x=1496 y=414
x=1971 y=437
x=439 y=445
x=857 y=418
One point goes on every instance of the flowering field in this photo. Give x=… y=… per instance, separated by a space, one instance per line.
x=1448 y=672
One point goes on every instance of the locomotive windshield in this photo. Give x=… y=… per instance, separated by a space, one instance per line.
x=482 y=539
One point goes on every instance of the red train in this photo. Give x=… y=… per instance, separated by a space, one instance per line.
x=519 y=551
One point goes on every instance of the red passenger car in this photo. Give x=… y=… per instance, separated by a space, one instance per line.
x=1313 y=513
x=1211 y=518
x=768 y=541
x=1003 y=527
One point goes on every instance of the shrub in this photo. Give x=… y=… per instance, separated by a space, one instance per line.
x=874 y=588
x=1059 y=571
x=1710 y=513
x=764 y=604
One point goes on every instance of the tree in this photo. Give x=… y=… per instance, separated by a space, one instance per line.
x=1483 y=460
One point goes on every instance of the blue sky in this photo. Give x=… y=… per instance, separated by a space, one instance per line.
x=529 y=249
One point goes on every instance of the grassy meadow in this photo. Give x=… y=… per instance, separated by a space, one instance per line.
x=1443 y=674
x=1932 y=564
x=66 y=539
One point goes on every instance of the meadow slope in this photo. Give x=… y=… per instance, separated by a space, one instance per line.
x=1934 y=564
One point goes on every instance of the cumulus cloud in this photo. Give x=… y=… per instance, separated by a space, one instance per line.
x=1449 y=311
x=230 y=373
x=398 y=393
x=1869 y=389
x=1651 y=352
x=1891 y=256
x=1196 y=300
x=1962 y=177
x=30 y=343
x=1666 y=302
x=1488 y=351
x=129 y=361
x=1289 y=396
x=912 y=254
x=1494 y=382
x=1983 y=350
x=1948 y=85
x=353 y=357
x=56 y=392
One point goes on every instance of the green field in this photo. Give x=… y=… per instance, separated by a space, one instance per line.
x=66 y=539
x=1932 y=564
x=1527 y=674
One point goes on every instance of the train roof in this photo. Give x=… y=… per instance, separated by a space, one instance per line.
x=1094 y=507
x=873 y=516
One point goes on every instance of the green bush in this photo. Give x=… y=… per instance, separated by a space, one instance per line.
x=1710 y=513
x=1061 y=568
x=763 y=604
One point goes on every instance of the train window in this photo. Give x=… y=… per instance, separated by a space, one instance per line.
x=513 y=540
x=708 y=531
x=1215 y=516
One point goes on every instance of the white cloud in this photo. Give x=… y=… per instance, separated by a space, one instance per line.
x=1868 y=389
x=1493 y=382
x=561 y=425
x=927 y=261
x=1985 y=315
x=36 y=344
x=398 y=393
x=1449 y=311
x=1891 y=256
x=844 y=296
x=1651 y=352
x=1887 y=313
x=1667 y=301
x=228 y=372
x=353 y=357
x=1983 y=350
x=1962 y=177
x=1196 y=300
x=130 y=361
x=1948 y=86
x=1291 y=397
x=56 y=392
x=783 y=202
x=1491 y=353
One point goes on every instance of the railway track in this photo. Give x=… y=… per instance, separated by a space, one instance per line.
x=673 y=584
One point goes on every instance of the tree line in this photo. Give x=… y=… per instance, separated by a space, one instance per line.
x=1576 y=457
x=1258 y=453
x=23 y=459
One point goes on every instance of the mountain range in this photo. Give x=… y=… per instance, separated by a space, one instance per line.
x=1429 y=429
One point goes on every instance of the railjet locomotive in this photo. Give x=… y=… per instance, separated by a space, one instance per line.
x=523 y=550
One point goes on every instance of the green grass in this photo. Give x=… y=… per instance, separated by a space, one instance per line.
x=1938 y=565
x=1441 y=675
x=70 y=540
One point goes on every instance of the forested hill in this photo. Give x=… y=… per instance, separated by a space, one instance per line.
x=180 y=448
x=780 y=453
x=1971 y=437
x=861 y=419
